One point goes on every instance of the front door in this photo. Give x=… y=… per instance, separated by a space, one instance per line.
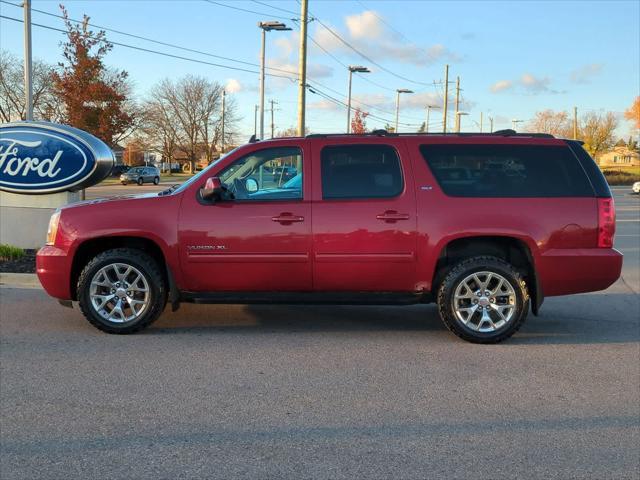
x=258 y=242
x=364 y=218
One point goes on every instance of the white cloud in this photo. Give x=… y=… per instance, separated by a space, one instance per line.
x=586 y=73
x=367 y=33
x=233 y=86
x=366 y=25
x=534 y=84
x=501 y=86
x=326 y=105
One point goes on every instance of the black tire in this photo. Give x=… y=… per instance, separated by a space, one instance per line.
x=156 y=180
x=457 y=275
x=147 y=266
x=123 y=183
x=140 y=181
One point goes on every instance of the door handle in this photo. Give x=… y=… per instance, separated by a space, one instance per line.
x=287 y=218
x=391 y=216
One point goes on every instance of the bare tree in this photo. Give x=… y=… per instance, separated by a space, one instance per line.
x=46 y=105
x=549 y=121
x=159 y=128
x=189 y=113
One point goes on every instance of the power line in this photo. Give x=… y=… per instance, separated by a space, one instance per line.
x=246 y=10
x=275 y=8
x=158 y=42
x=156 y=52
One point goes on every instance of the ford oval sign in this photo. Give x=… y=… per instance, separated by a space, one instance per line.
x=42 y=157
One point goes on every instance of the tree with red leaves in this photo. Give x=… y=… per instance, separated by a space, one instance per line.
x=95 y=98
x=358 y=122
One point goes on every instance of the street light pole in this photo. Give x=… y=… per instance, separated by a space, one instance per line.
x=255 y=121
x=358 y=69
x=398 y=92
x=265 y=27
x=224 y=94
x=514 y=122
x=28 y=76
x=426 y=125
x=458 y=115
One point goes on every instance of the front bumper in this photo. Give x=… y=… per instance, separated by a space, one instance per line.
x=569 y=271
x=53 y=267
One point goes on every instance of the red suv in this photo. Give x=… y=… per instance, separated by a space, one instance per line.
x=486 y=225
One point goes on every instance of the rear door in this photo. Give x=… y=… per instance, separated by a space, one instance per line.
x=364 y=217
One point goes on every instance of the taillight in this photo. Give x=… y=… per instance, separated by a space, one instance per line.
x=606 y=222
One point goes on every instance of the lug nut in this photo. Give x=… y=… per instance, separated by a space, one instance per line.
x=492 y=300
x=475 y=301
x=129 y=294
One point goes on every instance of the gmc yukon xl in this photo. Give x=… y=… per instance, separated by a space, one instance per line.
x=486 y=225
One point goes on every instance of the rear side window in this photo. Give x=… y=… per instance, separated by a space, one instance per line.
x=360 y=171
x=507 y=171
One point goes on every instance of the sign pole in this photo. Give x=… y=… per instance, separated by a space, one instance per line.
x=28 y=78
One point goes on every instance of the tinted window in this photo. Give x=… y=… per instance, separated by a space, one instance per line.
x=360 y=171
x=507 y=171
x=265 y=175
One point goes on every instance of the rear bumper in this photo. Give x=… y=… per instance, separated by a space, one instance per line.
x=568 y=271
x=53 y=266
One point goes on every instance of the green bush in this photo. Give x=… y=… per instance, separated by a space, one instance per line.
x=9 y=252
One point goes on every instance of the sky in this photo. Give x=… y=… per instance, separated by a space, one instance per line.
x=513 y=57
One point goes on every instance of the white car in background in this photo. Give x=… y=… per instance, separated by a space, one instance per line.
x=636 y=187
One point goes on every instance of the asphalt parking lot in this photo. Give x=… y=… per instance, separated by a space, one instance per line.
x=241 y=391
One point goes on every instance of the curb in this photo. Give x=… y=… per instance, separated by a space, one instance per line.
x=19 y=280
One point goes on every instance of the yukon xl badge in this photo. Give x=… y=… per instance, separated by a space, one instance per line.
x=206 y=247
x=43 y=157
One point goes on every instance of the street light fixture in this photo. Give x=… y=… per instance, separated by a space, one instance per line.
x=458 y=115
x=398 y=92
x=266 y=27
x=352 y=69
x=514 y=122
x=426 y=125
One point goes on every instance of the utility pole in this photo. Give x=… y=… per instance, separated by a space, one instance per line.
x=446 y=99
x=28 y=78
x=272 y=102
x=224 y=94
x=481 y=118
x=575 y=123
x=302 y=67
x=490 y=124
x=255 y=121
x=457 y=104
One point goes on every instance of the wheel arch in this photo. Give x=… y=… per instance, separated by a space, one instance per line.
x=91 y=247
x=518 y=251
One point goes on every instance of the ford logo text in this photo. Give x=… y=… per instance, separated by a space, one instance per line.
x=42 y=157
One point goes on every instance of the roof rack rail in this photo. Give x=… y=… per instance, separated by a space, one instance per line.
x=383 y=133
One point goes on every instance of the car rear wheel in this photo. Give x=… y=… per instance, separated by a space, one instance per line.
x=121 y=291
x=156 y=180
x=483 y=300
x=140 y=181
x=123 y=183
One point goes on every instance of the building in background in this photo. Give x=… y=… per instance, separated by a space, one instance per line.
x=620 y=156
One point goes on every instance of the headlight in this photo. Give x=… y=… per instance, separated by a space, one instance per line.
x=53 y=228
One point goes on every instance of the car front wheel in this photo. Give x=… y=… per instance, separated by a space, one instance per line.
x=140 y=181
x=483 y=300
x=121 y=291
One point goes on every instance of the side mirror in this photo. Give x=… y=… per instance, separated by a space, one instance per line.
x=212 y=189
x=251 y=185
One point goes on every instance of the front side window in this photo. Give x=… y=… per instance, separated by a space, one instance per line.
x=507 y=171
x=360 y=171
x=269 y=174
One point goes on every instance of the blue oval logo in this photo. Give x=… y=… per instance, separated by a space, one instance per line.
x=40 y=157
